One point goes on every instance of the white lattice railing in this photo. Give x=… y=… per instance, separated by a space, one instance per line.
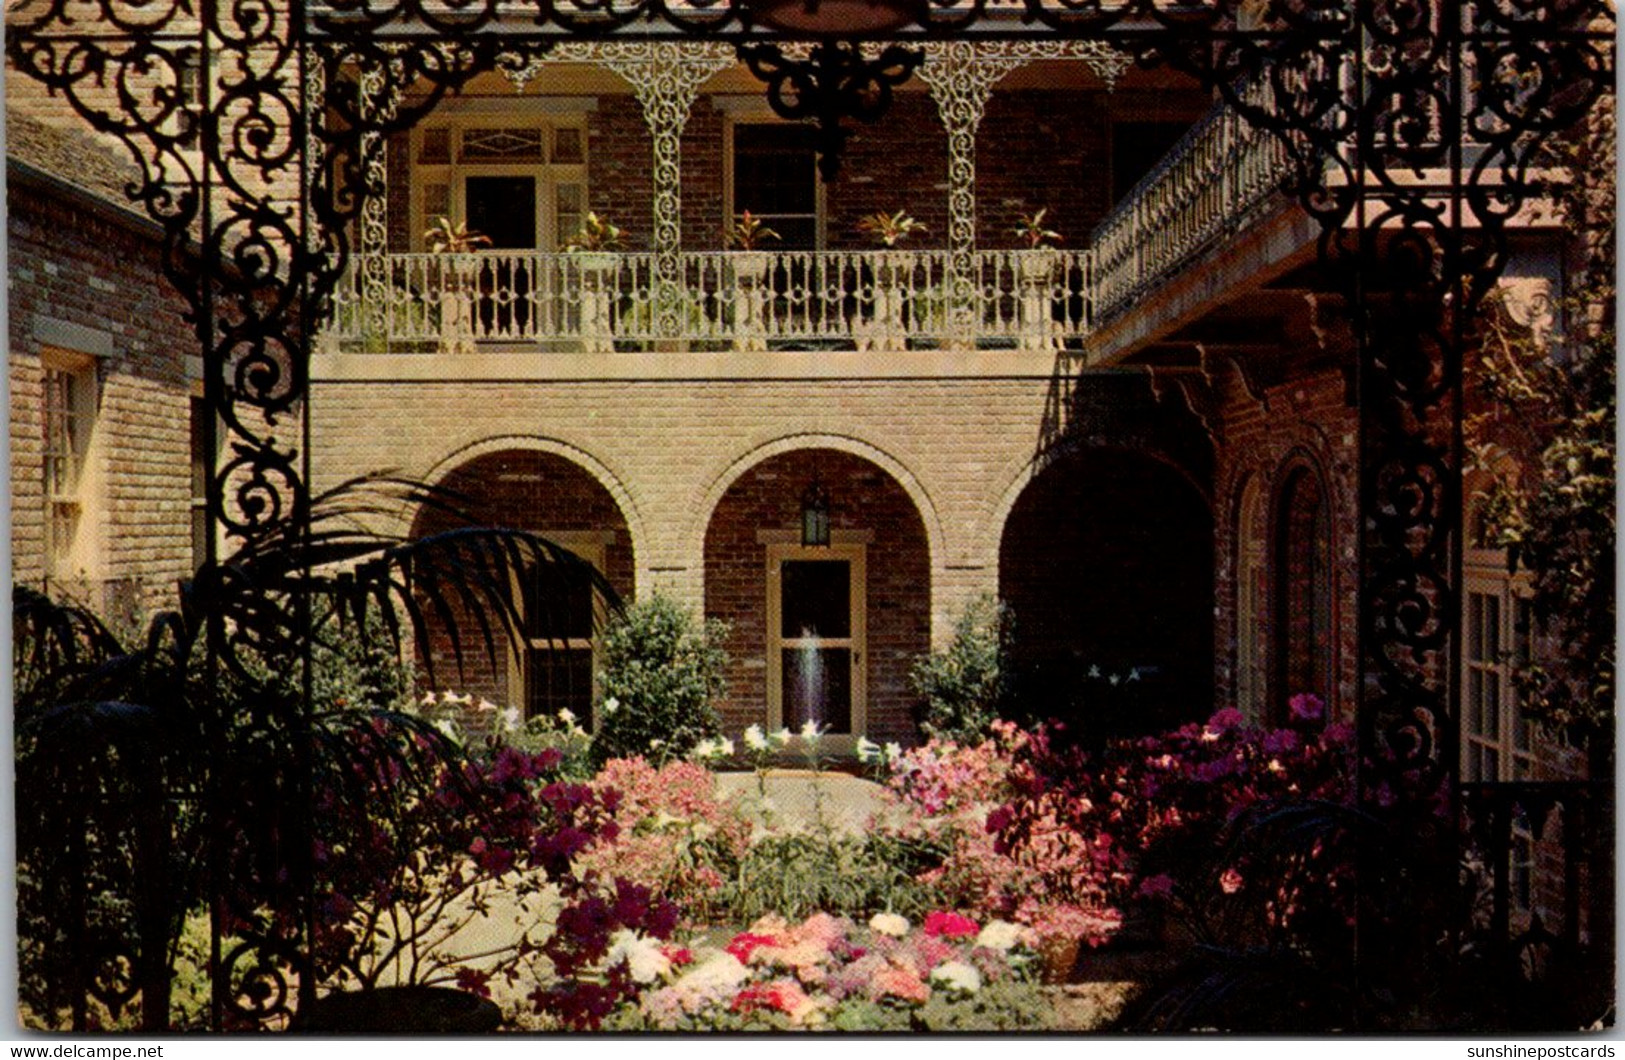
x=1204 y=188
x=725 y=299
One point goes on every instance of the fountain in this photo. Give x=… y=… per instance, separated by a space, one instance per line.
x=810 y=677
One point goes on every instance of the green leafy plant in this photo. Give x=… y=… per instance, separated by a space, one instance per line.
x=597 y=233
x=446 y=236
x=748 y=231
x=964 y=684
x=890 y=229
x=1034 y=234
x=661 y=674
x=802 y=873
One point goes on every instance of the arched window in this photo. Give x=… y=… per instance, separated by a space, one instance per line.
x=1302 y=626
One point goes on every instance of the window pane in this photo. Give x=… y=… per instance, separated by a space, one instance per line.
x=559 y=679
x=558 y=607
x=1475 y=702
x=1492 y=628
x=815 y=600
x=503 y=209
x=567 y=146
x=436 y=146
x=818 y=687
x=502 y=145
x=1475 y=626
x=776 y=178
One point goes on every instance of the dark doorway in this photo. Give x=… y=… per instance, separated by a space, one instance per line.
x=1107 y=566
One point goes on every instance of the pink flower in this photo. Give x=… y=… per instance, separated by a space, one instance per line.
x=951 y=925
x=1159 y=886
x=1230 y=882
x=1306 y=706
x=897 y=981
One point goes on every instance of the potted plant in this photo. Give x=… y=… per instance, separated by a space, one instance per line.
x=595 y=249
x=450 y=240
x=750 y=270
x=1062 y=929
x=892 y=272
x=1036 y=267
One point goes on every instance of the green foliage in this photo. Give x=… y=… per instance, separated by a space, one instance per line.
x=964 y=685
x=799 y=874
x=1548 y=438
x=660 y=678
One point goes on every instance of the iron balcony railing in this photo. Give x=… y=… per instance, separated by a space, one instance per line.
x=1209 y=187
x=737 y=299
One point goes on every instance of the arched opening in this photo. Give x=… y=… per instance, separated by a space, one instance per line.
x=556 y=498
x=1302 y=606
x=1107 y=566
x=823 y=633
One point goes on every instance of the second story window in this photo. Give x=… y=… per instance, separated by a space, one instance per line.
x=520 y=183
x=775 y=177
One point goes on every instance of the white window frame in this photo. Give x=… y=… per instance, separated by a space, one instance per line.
x=591 y=546
x=453 y=173
x=69 y=412
x=746 y=113
x=1485 y=577
x=856 y=556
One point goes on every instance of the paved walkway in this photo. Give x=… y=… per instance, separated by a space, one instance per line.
x=795 y=797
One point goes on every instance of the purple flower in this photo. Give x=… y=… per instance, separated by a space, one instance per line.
x=1306 y=706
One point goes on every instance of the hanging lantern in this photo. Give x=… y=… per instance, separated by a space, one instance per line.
x=815 y=516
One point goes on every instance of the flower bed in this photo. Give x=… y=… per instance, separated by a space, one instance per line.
x=829 y=972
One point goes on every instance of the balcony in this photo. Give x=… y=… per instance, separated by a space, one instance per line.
x=1218 y=182
x=496 y=301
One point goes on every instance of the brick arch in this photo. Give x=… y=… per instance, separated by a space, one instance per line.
x=606 y=478
x=1300 y=558
x=527 y=488
x=694 y=539
x=1020 y=474
x=759 y=512
x=1106 y=561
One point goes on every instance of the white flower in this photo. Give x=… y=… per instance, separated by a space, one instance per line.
x=448 y=728
x=868 y=751
x=487 y=707
x=1001 y=935
x=428 y=700
x=567 y=716
x=610 y=706
x=810 y=731
x=511 y=719
x=780 y=736
x=754 y=739
x=889 y=924
x=720 y=971
x=894 y=751
x=725 y=747
x=452 y=699
x=656 y=744
x=957 y=976
x=642 y=956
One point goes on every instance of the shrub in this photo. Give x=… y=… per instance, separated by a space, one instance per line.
x=803 y=873
x=673 y=834
x=660 y=676
x=964 y=684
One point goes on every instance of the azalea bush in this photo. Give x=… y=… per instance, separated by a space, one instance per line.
x=674 y=833
x=829 y=972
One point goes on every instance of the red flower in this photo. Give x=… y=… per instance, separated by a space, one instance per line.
x=952 y=925
x=744 y=944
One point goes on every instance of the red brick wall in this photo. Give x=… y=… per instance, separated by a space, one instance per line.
x=1307 y=421
x=703 y=178
x=1042 y=150
x=77 y=263
x=620 y=169
x=522 y=490
x=901 y=163
x=862 y=497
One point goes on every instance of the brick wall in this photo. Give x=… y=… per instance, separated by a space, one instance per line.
x=98 y=269
x=1304 y=421
x=864 y=499
x=1042 y=150
x=620 y=177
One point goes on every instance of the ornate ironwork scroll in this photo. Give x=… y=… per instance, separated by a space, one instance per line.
x=961 y=76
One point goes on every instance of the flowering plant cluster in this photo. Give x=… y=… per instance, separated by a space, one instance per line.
x=674 y=834
x=406 y=859
x=830 y=972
